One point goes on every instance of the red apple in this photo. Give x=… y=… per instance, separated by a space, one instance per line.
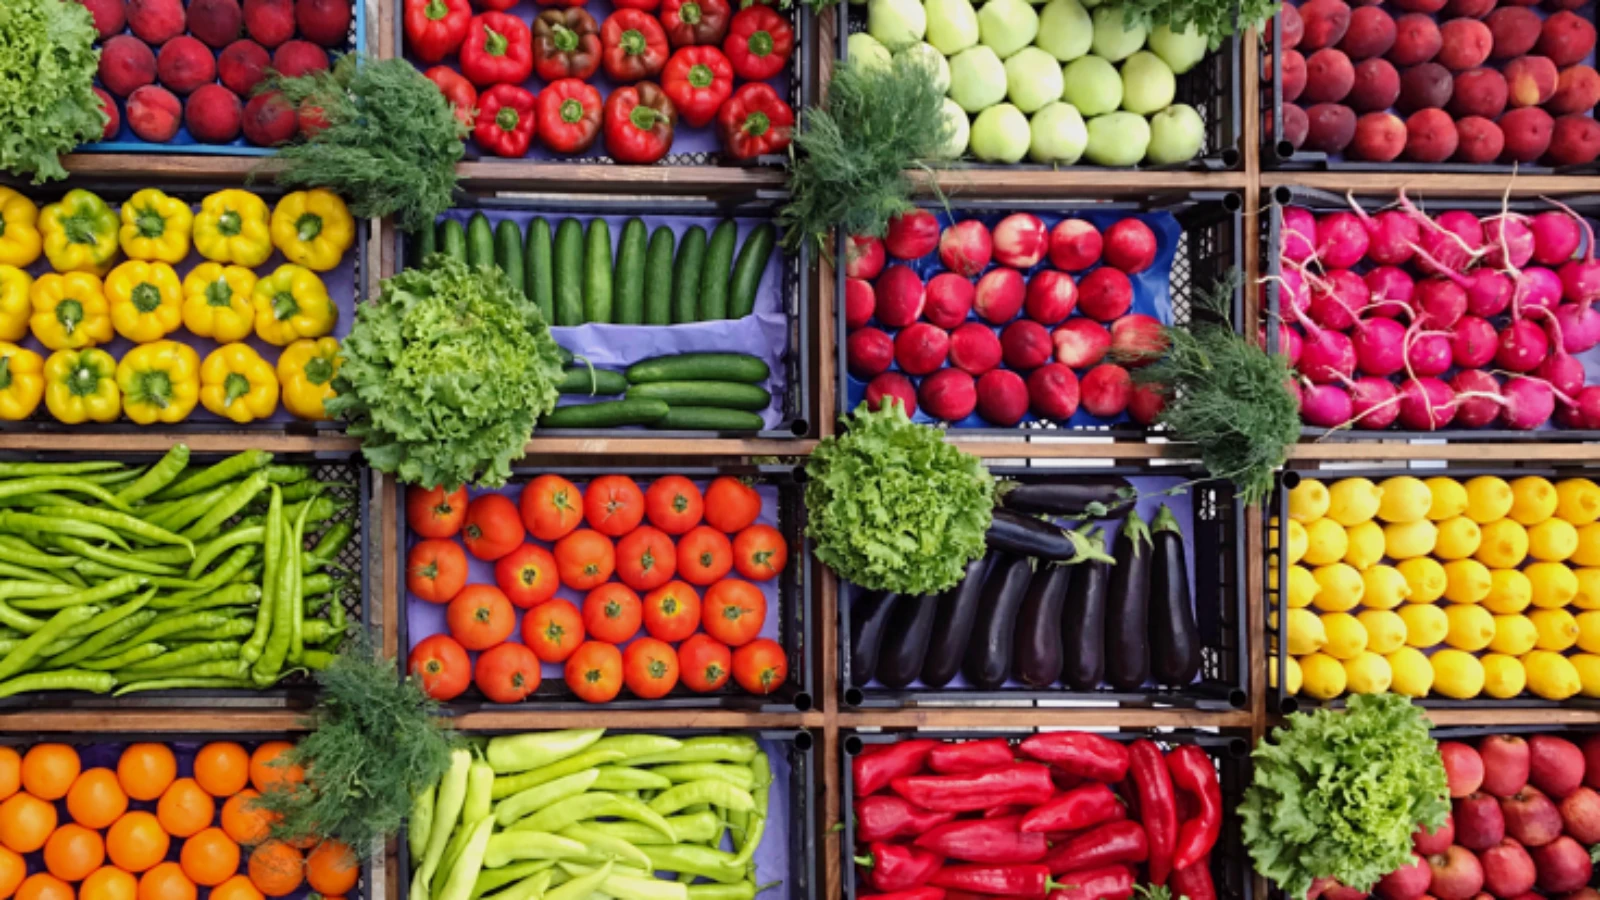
x=1580 y=813
x=1051 y=296
x=900 y=297
x=859 y=301
x=1555 y=765
x=1081 y=343
x=1479 y=822
x=1000 y=295
x=1457 y=874
x=863 y=257
x=1505 y=764
x=1409 y=882
x=1508 y=869
x=912 y=235
x=1075 y=245
x=1463 y=767
x=1020 y=241
x=1563 y=864
x=965 y=248
x=1531 y=817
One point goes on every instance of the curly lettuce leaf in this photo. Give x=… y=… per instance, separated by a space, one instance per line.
x=47 y=100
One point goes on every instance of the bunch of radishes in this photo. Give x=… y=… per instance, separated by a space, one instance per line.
x=977 y=335
x=1453 y=319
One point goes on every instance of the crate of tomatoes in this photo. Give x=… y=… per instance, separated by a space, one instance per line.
x=632 y=587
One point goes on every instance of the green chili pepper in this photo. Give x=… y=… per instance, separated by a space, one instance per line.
x=114 y=477
x=229 y=506
x=319 y=510
x=213 y=549
x=135 y=654
x=761 y=774
x=476 y=805
x=232 y=669
x=327 y=549
x=710 y=748
x=505 y=786
x=627 y=778
x=316 y=631
x=282 y=474
x=693 y=829
x=419 y=822
x=31 y=469
x=693 y=859
x=465 y=872
x=169 y=624
x=158 y=476
x=567 y=811
x=186 y=656
x=530 y=887
x=744 y=890
x=237 y=627
x=119 y=521
x=105 y=590
x=132 y=619
x=518 y=805
x=15 y=521
x=582 y=886
x=521 y=752
x=303 y=490
x=603 y=846
x=494 y=879
x=447 y=815
x=236 y=570
x=66 y=485
x=59 y=680
x=296 y=602
x=316 y=660
x=273 y=537
x=24 y=653
x=23 y=553
x=629 y=883
x=712 y=791
x=21 y=573
x=738 y=776
x=182 y=683
x=336 y=614
x=227 y=470
x=229 y=595
x=510 y=846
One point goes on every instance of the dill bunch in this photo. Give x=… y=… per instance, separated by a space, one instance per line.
x=391 y=145
x=1226 y=395
x=376 y=743
x=850 y=156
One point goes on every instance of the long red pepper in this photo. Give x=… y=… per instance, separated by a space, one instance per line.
x=875 y=769
x=1192 y=771
x=1107 y=883
x=1003 y=810
x=1194 y=882
x=1078 y=808
x=1158 y=807
x=886 y=816
x=895 y=867
x=926 y=892
x=1080 y=753
x=971 y=756
x=1117 y=842
x=985 y=841
x=1025 y=783
x=999 y=881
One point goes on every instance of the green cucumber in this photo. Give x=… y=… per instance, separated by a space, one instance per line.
x=706 y=418
x=508 y=251
x=609 y=414
x=564 y=355
x=538 y=268
x=629 y=282
x=587 y=382
x=453 y=240
x=686 y=276
x=720 y=394
x=658 y=278
x=424 y=244
x=748 y=270
x=569 y=272
x=480 y=241
x=714 y=277
x=597 y=272
x=700 y=367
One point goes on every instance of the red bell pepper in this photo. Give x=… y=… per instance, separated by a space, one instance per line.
x=885 y=816
x=970 y=756
x=633 y=46
x=985 y=841
x=569 y=115
x=874 y=769
x=1158 y=807
x=895 y=867
x=1025 y=783
x=639 y=120
x=1117 y=842
x=755 y=122
x=1194 y=882
x=1108 y=883
x=648 y=6
x=568 y=3
x=435 y=28
x=759 y=42
x=1078 y=808
x=566 y=44
x=698 y=79
x=926 y=892
x=506 y=121
x=1080 y=753
x=498 y=5
x=457 y=91
x=498 y=50
x=695 y=22
x=1001 y=881
x=1192 y=772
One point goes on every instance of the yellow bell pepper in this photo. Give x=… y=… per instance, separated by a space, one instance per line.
x=160 y=382
x=21 y=382
x=69 y=311
x=313 y=229
x=236 y=383
x=14 y=304
x=155 y=227
x=305 y=370
x=292 y=303
x=20 y=243
x=216 y=302
x=146 y=300
x=231 y=227
x=81 y=386
x=80 y=233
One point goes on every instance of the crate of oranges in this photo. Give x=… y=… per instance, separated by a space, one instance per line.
x=129 y=819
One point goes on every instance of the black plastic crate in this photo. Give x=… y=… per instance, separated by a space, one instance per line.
x=790 y=612
x=1230 y=866
x=1210 y=245
x=295 y=691
x=1214 y=535
x=795 y=289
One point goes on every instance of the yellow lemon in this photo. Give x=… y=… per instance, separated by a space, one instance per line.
x=1588 y=595
x=1352 y=501
x=1368 y=673
x=1458 y=538
x=1426 y=626
x=1346 y=635
x=1553 y=584
x=1457 y=674
x=1340 y=587
x=1488 y=499
x=1587 y=666
x=1405 y=499
x=1386 y=631
x=1321 y=676
x=1509 y=592
x=1411 y=673
x=1293 y=679
x=1503 y=677
x=1502 y=544
x=1533 y=499
x=1514 y=635
x=1365 y=540
x=1426 y=578
x=1386 y=588
x=1466 y=581
x=1558 y=630
x=1551 y=675
x=1578 y=500
x=1589 y=631
x=1308 y=501
x=1588 y=552
x=1449 y=498
x=1297 y=539
x=1408 y=540
x=1305 y=632
x=1303 y=588
x=1326 y=542
x=1471 y=627
x=1552 y=540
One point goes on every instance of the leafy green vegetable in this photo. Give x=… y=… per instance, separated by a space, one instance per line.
x=47 y=100
x=1339 y=794
x=1216 y=19
x=893 y=507
x=444 y=376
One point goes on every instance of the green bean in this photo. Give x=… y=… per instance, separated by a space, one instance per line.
x=216 y=548
x=58 y=680
x=288 y=474
x=105 y=590
x=185 y=656
x=158 y=476
x=227 y=470
x=266 y=668
x=738 y=776
x=296 y=602
x=229 y=506
x=23 y=553
x=66 y=485
x=24 y=653
x=7 y=570
x=273 y=537
x=181 y=683
x=119 y=521
x=129 y=656
x=228 y=595
x=134 y=621
x=15 y=521
x=31 y=469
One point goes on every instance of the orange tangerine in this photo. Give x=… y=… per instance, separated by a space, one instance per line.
x=266 y=770
x=48 y=770
x=243 y=820
x=109 y=883
x=26 y=822
x=145 y=770
x=73 y=851
x=10 y=771
x=210 y=857
x=136 y=841
x=12 y=870
x=96 y=799
x=276 y=869
x=185 y=808
x=166 y=882
x=332 y=869
x=239 y=887
x=44 y=886
x=222 y=768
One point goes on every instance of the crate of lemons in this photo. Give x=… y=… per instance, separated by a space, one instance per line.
x=1444 y=587
x=109 y=273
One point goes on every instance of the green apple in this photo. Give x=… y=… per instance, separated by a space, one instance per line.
x=1065 y=29
x=952 y=25
x=1006 y=26
x=1182 y=50
x=1059 y=135
x=1000 y=134
x=1114 y=39
x=977 y=78
x=1117 y=139
x=1176 y=134
x=864 y=50
x=932 y=60
x=1092 y=85
x=1147 y=84
x=959 y=133
x=897 y=24
x=1033 y=78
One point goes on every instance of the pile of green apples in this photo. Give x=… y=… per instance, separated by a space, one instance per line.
x=1069 y=80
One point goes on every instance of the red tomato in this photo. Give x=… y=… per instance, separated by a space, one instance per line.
x=612 y=613
x=734 y=611
x=650 y=668
x=441 y=666
x=507 y=673
x=760 y=552
x=527 y=575
x=434 y=513
x=585 y=559
x=554 y=630
x=760 y=666
x=672 y=611
x=705 y=662
x=646 y=558
x=704 y=555
x=731 y=505
x=436 y=570
x=551 y=507
x=614 y=505
x=673 y=504
x=480 y=617
x=595 y=672
x=493 y=527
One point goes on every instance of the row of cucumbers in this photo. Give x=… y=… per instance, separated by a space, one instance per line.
x=688 y=392
x=655 y=279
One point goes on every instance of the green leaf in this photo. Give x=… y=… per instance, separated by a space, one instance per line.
x=47 y=100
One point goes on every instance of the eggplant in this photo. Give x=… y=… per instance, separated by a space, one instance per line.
x=868 y=616
x=1128 y=606
x=952 y=624
x=1083 y=622
x=1093 y=497
x=1035 y=537
x=988 y=662
x=1038 y=629
x=906 y=646
x=1174 y=637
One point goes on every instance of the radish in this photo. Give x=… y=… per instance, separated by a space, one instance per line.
x=1373 y=403
x=1587 y=407
x=1472 y=342
x=1324 y=405
x=1477 y=398
x=1537 y=288
x=1002 y=397
x=1462 y=230
x=1390 y=235
x=1529 y=403
x=1488 y=292
x=1288 y=342
x=1563 y=371
x=1426 y=404
x=1106 y=389
x=1341 y=240
x=1299 y=234
x=1326 y=356
x=863 y=257
x=1439 y=302
x=1580 y=279
x=1337 y=301
x=1428 y=353
x=1509 y=241
x=1580 y=327
x=1449 y=244
x=894 y=388
x=1053 y=391
x=1379 y=346
x=1522 y=346
x=1391 y=288
x=1555 y=237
